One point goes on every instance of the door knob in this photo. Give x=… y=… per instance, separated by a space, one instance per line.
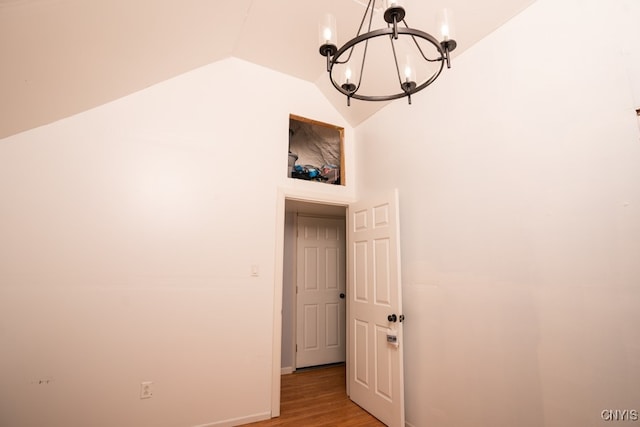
x=341 y=296
x=392 y=318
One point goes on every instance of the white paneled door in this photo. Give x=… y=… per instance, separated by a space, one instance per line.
x=376 y=381
x=320 y=281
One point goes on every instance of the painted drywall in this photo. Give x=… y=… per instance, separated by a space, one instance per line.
x=128 y=236
x=519 y=180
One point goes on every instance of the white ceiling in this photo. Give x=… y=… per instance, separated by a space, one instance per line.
x=61 y=57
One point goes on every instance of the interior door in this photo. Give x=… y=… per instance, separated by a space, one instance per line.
x=320 y=282
x=376 y=378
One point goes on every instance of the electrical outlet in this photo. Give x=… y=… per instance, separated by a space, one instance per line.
x=146 y=389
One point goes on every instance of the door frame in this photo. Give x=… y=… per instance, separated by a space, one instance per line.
x=304 y=196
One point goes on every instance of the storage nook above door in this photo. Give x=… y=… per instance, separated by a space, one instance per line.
x=315 y=151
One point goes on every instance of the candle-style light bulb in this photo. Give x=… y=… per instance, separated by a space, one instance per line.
x=445 y=25
x=328 y=39
x=408 y=69
x=349 y=87
x=327 y=33
x=407 y=72
x=447 y=34
x=444 y=30
x=409 y=83
x=392 y=3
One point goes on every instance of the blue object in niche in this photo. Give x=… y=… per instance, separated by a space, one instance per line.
x=308 y=172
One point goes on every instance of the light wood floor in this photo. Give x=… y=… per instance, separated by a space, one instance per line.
x=318 y=398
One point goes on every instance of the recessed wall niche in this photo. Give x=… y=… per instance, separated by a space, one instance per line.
x=316 y=151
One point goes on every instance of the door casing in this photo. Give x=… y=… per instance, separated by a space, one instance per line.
x=283 y=195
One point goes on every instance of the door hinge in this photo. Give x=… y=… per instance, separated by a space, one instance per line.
x=296 y=348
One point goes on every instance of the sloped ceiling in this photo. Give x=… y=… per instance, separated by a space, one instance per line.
x=61 y=57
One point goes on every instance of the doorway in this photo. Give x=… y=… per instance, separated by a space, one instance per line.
x=314 y=203
x=375 y=330
x=313 y=285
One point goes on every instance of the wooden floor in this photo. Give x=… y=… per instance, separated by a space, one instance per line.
x=315 y=398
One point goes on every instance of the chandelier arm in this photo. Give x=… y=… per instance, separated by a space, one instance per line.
x=364 y=17
x=395 y=58
x=343 y=62
x=364 y=58
x=346 y=60
x=373 y=6
x=442 y=53
x=442 y=57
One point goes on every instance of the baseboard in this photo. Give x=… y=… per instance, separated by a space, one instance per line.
x=239 y=421
x=408 y=424
x=287 y=370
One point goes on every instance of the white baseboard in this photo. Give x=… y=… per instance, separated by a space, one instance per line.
x=287 y=370
x=239 y=421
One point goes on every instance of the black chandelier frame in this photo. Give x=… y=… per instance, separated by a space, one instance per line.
x=392 y=16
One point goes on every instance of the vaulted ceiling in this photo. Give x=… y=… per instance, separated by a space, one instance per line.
x=61 y=57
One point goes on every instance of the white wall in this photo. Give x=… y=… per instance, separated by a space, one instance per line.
x=519 y=180
x=127 y=236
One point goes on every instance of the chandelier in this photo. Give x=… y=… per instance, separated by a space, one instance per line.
x=408 y=53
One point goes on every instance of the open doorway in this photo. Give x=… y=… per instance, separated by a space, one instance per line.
x=375 y=299
x=310 y=203
x=313 y=286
